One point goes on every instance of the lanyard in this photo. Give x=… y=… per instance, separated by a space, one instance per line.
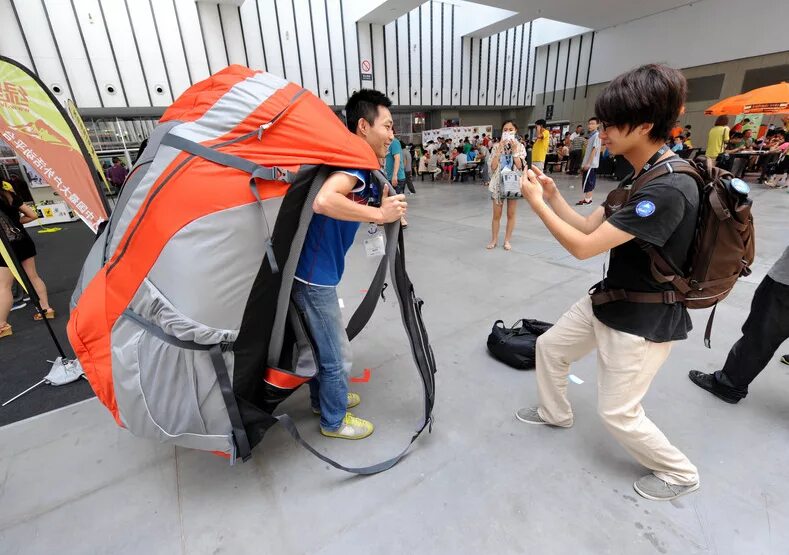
x=650 y=163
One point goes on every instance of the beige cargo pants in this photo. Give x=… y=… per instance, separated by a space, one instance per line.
x=626 y=366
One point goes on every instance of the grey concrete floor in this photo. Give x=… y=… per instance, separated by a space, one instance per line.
x=72 y=482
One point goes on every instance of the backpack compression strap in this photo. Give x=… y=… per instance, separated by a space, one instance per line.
x=240 y=439
x=410 y=307
x=662 y=270
x=255 y=171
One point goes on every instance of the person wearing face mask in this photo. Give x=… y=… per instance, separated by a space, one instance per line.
x=507 y=160
x=340 y=205
x=633 y=339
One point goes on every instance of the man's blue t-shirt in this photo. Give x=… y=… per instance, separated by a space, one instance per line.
x=394 y=148
x=322 y=259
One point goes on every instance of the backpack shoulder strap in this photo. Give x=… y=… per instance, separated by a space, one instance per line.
x=669 y=166
x=662 y=269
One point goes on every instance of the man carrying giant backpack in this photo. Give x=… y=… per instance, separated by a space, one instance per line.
x=633 y=339
x=340 y=206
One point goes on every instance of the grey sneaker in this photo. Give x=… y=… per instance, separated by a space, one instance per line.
x=530 y=415
x=652 y=487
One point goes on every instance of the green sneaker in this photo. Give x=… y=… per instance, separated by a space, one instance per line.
x=352 y=427
x=353 y=400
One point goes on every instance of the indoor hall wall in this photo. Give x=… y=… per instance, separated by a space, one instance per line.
x=421 y=59
x=108 y=54
x=143 y=53
x=701 y=33
x=687 y=36
x=733 y=80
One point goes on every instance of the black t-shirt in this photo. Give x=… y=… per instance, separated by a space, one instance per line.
x=663 y=213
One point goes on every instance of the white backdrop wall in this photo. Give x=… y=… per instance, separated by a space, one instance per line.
x=144 y=53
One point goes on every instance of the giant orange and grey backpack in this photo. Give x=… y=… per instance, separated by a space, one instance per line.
x=723 y=247
x=182 y=318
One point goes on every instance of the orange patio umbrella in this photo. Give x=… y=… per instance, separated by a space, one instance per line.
x=773 y=99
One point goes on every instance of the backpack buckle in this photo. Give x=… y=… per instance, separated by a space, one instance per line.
x=669 y=297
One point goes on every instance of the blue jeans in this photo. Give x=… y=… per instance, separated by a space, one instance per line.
x=329 y=388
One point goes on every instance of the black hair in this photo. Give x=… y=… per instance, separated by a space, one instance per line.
x=579 y=125
x=364 y=104
x=652 y=93
x=540 y=122
x=688 y=127
x=721 y=120
x=506 y=121
x=736 y=135
x=115 y=159
x=746 y=120
x=595 y=119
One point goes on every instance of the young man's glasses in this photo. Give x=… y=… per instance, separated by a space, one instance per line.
x=605 y=125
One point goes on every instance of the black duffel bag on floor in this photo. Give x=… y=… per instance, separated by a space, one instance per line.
x=515 y=346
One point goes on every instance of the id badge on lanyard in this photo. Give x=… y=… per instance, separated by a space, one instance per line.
x=374 y=243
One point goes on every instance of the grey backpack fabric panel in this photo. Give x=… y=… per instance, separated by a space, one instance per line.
x=207 y=268
x=163 y=391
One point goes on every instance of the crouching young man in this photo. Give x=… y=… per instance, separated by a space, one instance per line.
x=632 y=339
x=340 y=206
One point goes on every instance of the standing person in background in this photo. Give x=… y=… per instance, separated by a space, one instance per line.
x=717 y=138
x=483 y=158
x=466 y=146
x=394 y=170
x=541 y=142
x=485 y=140
x=739 y=126
x=507 y=157
x=117 y=173
x=676 y=131
x=14 y=214
x=460 y=163
x=20 y=188
x=577 y=144
x=591 y=162
x=765 y=329
x=408 y=168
